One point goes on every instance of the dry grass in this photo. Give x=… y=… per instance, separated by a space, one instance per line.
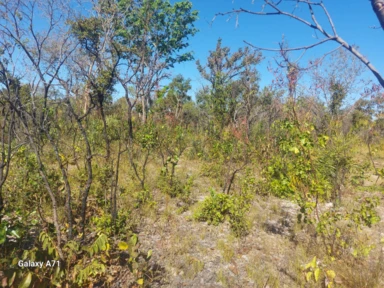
x=226 y=249
x=263 y=274
x=188 y=249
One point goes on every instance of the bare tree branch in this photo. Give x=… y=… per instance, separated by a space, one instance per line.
x=290 y=49
x=378 y=6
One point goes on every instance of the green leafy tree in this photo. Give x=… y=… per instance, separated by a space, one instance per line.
x=337 y=97
x=152 y=37
x=232 y=80
x=176 y=95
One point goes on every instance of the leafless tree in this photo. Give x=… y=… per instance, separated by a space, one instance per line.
x=42 y=55
x=72 y=85
x=8 y=92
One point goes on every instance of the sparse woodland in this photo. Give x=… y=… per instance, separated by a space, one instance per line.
x=116 y=179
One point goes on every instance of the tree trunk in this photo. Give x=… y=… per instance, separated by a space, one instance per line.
x=105 y=133
x=130 y=123
x=144 y=110
x=114 y=188
x=88 y=163
x=68 y=201
x=5 y=154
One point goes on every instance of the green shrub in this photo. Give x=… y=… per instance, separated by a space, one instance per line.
x=104 y=223
x=218 y=207
x=305 y=164
x=175 y=187
x=215 y=208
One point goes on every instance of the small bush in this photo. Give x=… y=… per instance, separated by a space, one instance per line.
x=219 y=207
x=104 y=223
x=215 y=208
x=177 y=188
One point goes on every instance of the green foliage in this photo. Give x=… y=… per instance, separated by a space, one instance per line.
x=290 y=172
x=105 y=223
x=176 y=187
x=178 y=89
x=25 y=178
x=103 y=177
x=14 y=226
x=48 y=244
x=93 y=270
x=173 y=142
x=311 y=168
x=14 y=234
x=191 y=114
x=172 y=98
x=140 y=152
x=218 y=207
x=100 y=244
x=89 y=32
x=233 y=82
x=359 y=173
x=26 y=276
x=307 y=165
x=313 y=273
x=144 y=197
x=85 y=271
x=338 y=95
x=336 y=162
x=360 y=119
x=366 y=214
x=226 y=155
x=215 y=208
x=147 y=136
x=77 y=270
x=157 y=27
x=95 y=129
x=115 y=127
x=137 y=261
x=336 y=229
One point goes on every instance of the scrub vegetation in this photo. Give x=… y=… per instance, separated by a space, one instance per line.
x=239 y=186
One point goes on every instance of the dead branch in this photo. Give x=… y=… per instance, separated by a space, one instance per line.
x=378 y=6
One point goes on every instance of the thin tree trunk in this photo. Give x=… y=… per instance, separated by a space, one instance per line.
x=68 y=206
x=5 y=157
x=50 y=192
x=105 y=134
x=130 y=123
x=144 y=110
x=114 y=188
x=43 y=174
x=88 y=163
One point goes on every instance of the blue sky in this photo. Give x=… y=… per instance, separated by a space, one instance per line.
x=353 y=19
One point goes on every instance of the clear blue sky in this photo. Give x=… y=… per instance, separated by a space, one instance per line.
x=353 y=19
